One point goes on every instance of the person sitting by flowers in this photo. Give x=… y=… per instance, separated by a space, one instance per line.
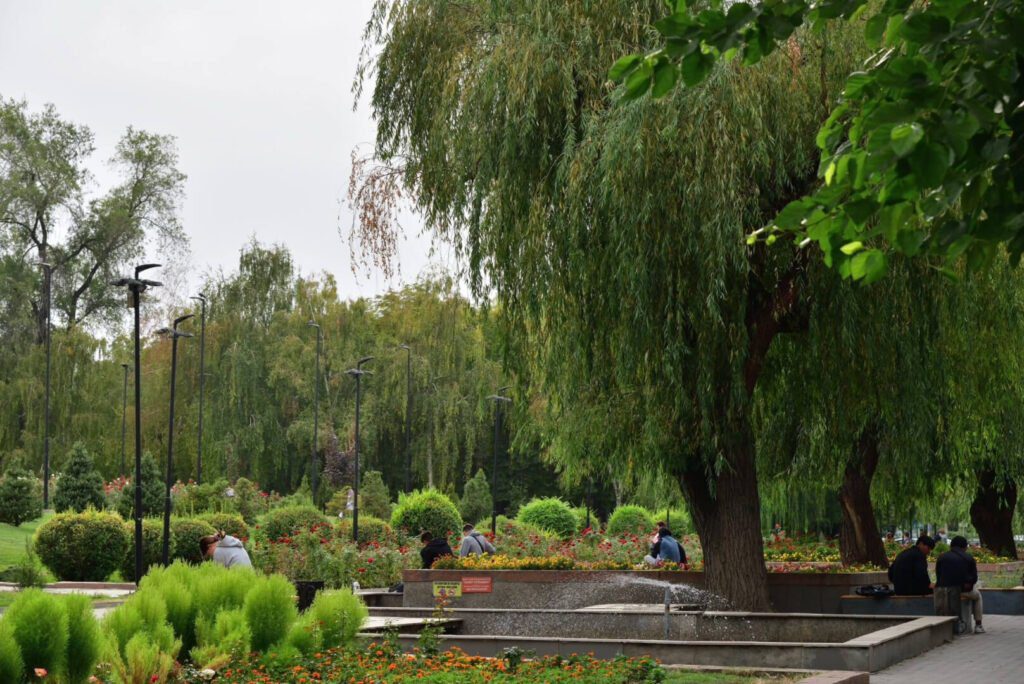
x=474 y=543
x=666 y=550
x=224 y=549
x=433 y=549
x=957 y=569
x=909 y=572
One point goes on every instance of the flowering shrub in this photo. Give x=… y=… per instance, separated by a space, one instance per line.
x=382 y=663
x=502 y=562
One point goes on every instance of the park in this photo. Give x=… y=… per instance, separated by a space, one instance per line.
x=499 y=340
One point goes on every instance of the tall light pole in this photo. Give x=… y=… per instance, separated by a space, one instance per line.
x=174 y=334
x=124 y=416
x=498 y=401
x=201 y=298
x=357 y=373
x=48 y=270
x=313 y=480
x=408 y=417
x=136 y=287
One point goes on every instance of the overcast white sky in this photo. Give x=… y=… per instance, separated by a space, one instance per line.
x=258 y=94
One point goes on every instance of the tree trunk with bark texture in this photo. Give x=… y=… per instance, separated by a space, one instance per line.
x=728 y=522
x=860 y=541
x=992 y=513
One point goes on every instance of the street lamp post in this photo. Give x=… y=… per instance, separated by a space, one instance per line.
x=201 y=298
x=175 y=335
x=357 y=373
x=498 y=401
x=124 y=416
x=313 y=480
x=136 y=287
x=408 y=417
x=48 y=269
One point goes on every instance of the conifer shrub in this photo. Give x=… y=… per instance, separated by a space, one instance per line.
x=287 y=520
x=39 y=624
x=80 y=485
x=476 y=499
x=374 y=498
x=630 y=519
x=551 y=514
x=153 y=491
x=21 y=497
x=270 y=610
x=80 y=547
x=425 y=510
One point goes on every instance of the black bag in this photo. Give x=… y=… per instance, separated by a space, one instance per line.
x=878 y=591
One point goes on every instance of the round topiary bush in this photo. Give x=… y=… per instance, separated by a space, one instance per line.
x=551 y=514
x=152 y=539
x=630 y=520
x=287 y=520
x=185 y=536
x=371 y=529
x=85 y=546
x=425 y=510
x=581 y=518
x=229 y=523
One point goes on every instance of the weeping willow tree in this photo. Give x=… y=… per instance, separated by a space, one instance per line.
x=858 y=393
x=612 y=235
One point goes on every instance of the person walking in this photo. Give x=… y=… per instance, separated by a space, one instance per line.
x=474 y=543
x=956 y=569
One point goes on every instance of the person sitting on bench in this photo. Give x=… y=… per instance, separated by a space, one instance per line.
x=957 y=568
x=909 y=572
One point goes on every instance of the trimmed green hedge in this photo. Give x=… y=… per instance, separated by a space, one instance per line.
x=426 y=509
x=551 y=514
x=630 y=520
x=287 y=520
x=82 y=547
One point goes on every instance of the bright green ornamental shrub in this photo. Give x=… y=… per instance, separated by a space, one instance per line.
x=21 y=498
x=12 y=667
x=339 y=615
x=426 y=510
x=81 y=547
x=229 y=523
x=270 y=610
x=630 y=520
x=476 y=499
x=39 y=624
x=80 y=485
x=551 y=514
x=84 y=638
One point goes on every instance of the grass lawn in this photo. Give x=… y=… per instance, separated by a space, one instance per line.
x=13 y=540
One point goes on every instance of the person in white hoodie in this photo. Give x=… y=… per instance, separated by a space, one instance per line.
x=474 y=543
x=225 y=549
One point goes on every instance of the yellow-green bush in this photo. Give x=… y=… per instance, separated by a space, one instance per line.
x=85 y=546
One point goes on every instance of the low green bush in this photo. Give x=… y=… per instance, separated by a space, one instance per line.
x=630 y=520
x=287 y=520
x=338 y=615
x=80 y=486
x=85 y=546
x=370 y=530
x=304 y=636
x=152 y=541
x=581 y=518
x=550 y=514
x=21 y=498
x=270 y=611
x=225 y=637
x=185 y=536
x=39 y=624
x=426 y=510
x=12 y=666
x=229 y=523
x=84 y=638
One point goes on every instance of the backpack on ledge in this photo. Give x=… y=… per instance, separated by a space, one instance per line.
x=877 y=591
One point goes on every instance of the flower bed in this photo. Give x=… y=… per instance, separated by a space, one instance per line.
x=383 y=663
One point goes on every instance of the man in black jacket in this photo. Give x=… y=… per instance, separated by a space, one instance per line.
x=957 y=568
x=433 y=549
x=909 y=572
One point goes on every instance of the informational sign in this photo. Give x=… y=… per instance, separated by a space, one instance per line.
x=448 y=589
x=477 y=585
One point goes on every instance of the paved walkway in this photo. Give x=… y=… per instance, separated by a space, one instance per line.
x=996 y=657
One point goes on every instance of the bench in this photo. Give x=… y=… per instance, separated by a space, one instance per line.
x=995 y=601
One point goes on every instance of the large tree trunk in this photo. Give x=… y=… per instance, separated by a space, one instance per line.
x=728 y=521
x=860 y=541
x=992 y=513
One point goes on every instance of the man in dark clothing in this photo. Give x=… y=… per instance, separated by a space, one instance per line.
x=957 y=568
x=909 y=572
x=433 y=549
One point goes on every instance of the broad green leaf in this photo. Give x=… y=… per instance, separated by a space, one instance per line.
x=904 y=137
x=924 y=27
x=696 y=66
x=622 y=67
x=868 y=266
x=665 y=76
x=851 y=248
x=639 y=81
